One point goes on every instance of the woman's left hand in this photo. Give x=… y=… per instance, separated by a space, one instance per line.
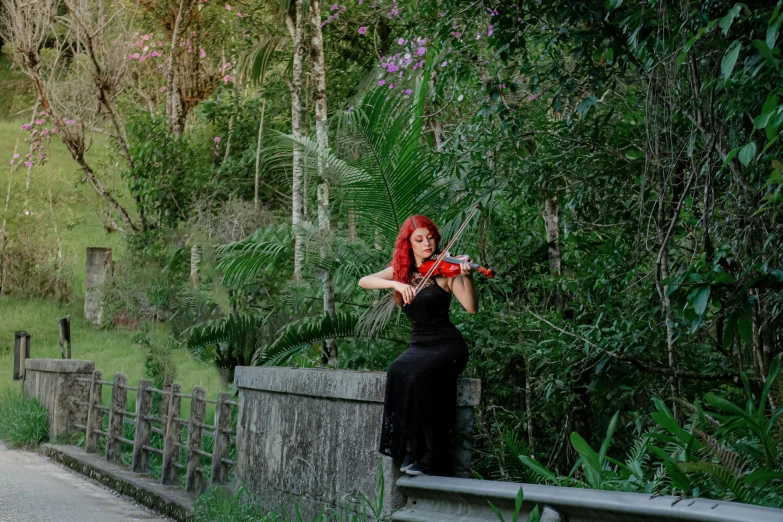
x=465 y=268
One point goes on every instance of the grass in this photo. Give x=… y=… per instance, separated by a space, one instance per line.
x=112 y=350
x=220 y=504
x=23 y=420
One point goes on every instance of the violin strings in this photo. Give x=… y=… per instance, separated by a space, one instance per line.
x=443 y=254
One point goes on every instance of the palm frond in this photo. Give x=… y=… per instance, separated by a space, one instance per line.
x=254 y=64
x=301 y=333
x=242 y=260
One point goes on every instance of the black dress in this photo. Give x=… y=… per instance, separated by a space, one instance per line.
x=420 y=404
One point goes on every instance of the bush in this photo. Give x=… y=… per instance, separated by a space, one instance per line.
x=23 y=420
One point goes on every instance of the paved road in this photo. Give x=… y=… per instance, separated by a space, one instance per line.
x=34 y=489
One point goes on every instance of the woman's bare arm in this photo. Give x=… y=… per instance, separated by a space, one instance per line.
x=379 y=280
x=464 y=290
x=384 y=279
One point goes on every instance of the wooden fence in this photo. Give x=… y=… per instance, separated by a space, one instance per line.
x=167 y=423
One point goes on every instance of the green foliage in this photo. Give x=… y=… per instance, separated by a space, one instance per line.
x=730 y=454
x=23 y=420
x=168 y=171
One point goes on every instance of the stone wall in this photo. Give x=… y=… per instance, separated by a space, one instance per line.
x=311 y=436
x=53 y=383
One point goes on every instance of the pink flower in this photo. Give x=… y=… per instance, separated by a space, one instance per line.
x=217 y=139
x=391 y=86
x=12 y=162
x=401 y=41
x=444 y=63
x=54 y=131
x=69 y=122
x=228 y=7
x=532 y=97
x=408 y=92
x=490 y=31
x=335 y=7
x=16 y=156
x=343 y=8
x=362 y=30
x=202 y=53
x=42 y=113
x=28 y=164
x=160 y=44
x=25 y=127
x=421 y=51
x=441 y=14
x=162 y=89
x=381 y=83
x=227 y=78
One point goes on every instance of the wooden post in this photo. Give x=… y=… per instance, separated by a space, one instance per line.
x=172 y=436
x=94 y=415
x=141 y=438
x=197 y=411
x=222 y=442
x=64 y=330
x=119 y=396
x=21 y=353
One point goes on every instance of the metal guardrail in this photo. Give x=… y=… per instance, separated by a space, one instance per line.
x=433 y=499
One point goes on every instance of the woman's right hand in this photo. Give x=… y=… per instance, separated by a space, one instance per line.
x=407 y=291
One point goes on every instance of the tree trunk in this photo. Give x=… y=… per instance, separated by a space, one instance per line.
x=296 y=28
x=551 y=224
x=258 y=153
x=175 y=110
x=662 y=274
x=324 y=222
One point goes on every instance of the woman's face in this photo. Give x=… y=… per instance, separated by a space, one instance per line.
x=423 y=243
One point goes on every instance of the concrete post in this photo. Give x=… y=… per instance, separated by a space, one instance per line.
x=141 y=438
x=193 y=479
x=63 y=387
x=173 y=434
x=220 y=450
x=21 y=353
x=98 y=267
x=94 y=415
x=119 y=397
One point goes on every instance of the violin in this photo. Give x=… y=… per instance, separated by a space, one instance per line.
x=450 y=267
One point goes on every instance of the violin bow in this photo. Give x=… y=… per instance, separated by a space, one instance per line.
x=445 y=250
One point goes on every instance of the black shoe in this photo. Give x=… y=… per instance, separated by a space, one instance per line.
x=407 y=462
x=415 y=470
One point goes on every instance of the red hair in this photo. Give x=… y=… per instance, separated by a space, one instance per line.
x=403 y=262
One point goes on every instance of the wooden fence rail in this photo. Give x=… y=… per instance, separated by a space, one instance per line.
x=167 y=423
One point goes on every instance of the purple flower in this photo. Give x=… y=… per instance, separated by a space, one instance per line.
x=408 y=92
x=490 y=31
x=217 y=139
x=532 y=97
x=401 y=41
x=381 y=83
x=392 y=68
x=335 y=7
x=444 y=63
x=25 y=127
x=391 y=86
x=362 y=30
x=421 y=51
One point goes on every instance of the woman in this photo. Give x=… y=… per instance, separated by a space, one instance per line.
x=421 y=385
